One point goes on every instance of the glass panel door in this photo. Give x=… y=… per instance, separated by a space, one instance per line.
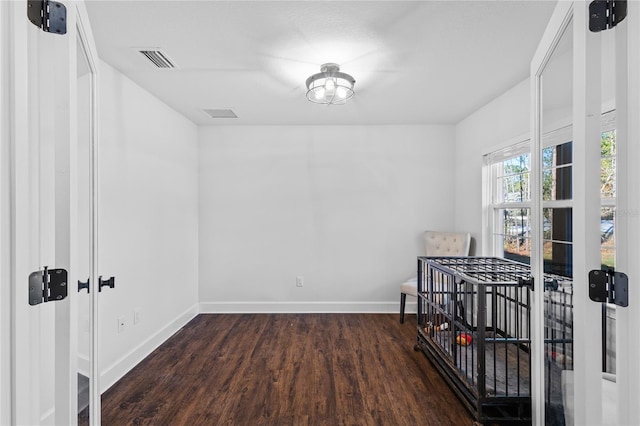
x=555 y=172
x=551 y=219
x=584 y=217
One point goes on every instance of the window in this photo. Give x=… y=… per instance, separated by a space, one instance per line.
x=607 y=227
x=608 y=190
x=508 y=199
x=557 y=203
x=511 y=203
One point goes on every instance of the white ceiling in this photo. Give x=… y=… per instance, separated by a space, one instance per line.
x=416 y=62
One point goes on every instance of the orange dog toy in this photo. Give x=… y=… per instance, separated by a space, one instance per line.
x=464 y=339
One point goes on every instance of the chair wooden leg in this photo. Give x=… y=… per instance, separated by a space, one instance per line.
x=403 y=301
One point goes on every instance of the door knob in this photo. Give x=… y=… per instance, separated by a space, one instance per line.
x=111 y=282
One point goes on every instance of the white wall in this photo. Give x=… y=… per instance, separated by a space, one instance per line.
x=343 y=206
x=496 y=125
x=148 y=221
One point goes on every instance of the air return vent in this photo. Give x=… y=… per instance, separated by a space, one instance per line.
x=157 y=57
x=220 y=113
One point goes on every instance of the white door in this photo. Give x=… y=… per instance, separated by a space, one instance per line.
x=40 y=81
x=585 y=216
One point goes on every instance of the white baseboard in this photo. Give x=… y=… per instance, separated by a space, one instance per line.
x=122 y=366
x=303 y=307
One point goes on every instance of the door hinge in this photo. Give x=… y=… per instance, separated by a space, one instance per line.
x=609 y=286
x=49 y=15
x=47 y=285
x=606 y=14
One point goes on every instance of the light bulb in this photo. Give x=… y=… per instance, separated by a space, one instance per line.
x=329 y=84
x=341 y=92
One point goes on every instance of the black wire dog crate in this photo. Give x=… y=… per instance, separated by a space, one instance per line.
x=474 y=324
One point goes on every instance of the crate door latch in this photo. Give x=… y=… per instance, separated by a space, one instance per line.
x=527 y=281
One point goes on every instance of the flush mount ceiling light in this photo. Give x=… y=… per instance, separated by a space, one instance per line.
x=330 y=86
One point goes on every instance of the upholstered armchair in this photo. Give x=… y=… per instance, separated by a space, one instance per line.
x=435 y=244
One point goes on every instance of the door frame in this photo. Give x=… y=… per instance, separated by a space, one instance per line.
x=628 y=214
x=85 y=36
x=5 y=218
x=587 y=110
x=17 y=268
x=560 y=19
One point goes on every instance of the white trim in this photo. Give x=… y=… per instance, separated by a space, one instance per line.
x=586 y=216
x=5 y=220
x=560 y=133
x=410 y=308
x=628 y=212
x=492 y=172
x=23 y=382
x=511 y=206
x=299 y=307
x=487 y=211
x=556 y=126
x=609 y=121
x=84 y=37
x=608 y=108
x=505 y=145
x=65 y=382
x=558 y=204
x=562 y=16
x=111 y=374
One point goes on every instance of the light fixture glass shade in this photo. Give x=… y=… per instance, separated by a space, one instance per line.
x=330 y=86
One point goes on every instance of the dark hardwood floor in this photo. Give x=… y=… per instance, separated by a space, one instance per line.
x=286 y=369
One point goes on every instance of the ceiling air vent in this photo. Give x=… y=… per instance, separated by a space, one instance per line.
x=157 y=57
x=220 y=113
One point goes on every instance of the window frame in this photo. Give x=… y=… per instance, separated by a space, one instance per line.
x=494 y=160
x=493 y=163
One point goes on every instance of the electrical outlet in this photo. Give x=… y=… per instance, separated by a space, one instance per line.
x=122 y=322
x=136 y=316
x=299 y=281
